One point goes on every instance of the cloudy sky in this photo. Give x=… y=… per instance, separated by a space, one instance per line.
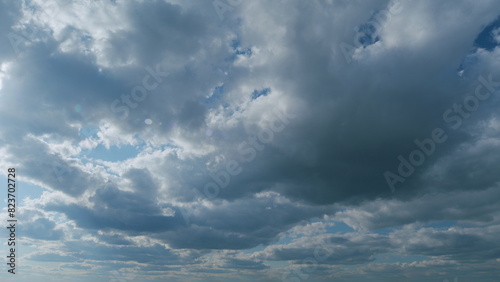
x=321 y=140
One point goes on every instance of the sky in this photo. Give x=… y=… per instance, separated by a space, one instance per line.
x=223 y=140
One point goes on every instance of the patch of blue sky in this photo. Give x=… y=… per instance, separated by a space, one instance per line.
x=367 y=32
x=114 y=153
x=264 y=92
x=118 y=153
x=247 y=52
x=24 y=189
x=27 y=189
x=340 y=228
x=467 y=61
x=368 y=35
x=486 y=38
x=86 y=38
x=88 y=132
x=235 y=44
x=238 y=50
x=216 y=95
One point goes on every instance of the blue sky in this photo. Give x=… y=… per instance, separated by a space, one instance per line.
x=322 y=140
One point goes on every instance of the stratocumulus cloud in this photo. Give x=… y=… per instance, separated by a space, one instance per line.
x=254 y=140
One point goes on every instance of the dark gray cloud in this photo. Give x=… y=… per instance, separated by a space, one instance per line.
x=227 y=126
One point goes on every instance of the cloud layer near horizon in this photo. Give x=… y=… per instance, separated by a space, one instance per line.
x=284 y=140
